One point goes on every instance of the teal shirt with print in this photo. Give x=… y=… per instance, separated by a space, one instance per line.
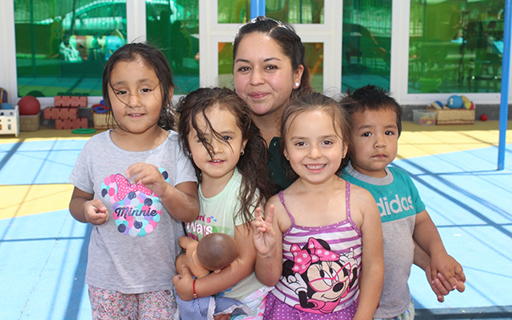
x=399 y=202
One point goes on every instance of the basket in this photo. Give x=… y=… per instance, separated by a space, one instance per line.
x=455 y=116
x=424 y=117
x=29 y=123
x=100 y=120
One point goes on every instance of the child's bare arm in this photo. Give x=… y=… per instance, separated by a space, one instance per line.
x=181 y=201
x=268 y=243
x=372 y=272
x=214 y=283
x=84 y=208
x=439 y=285
x=427 y=237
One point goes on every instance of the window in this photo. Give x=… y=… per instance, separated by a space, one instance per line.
x=455 y=46
x=366 y=43
x=173 y=26
x=61 y=51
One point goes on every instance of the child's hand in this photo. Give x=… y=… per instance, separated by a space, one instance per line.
x=95 y=212
x=442 y=282
x=449 y=268
x=264 y=234
x=149 y=176
x=183 y=284
x=441 y=286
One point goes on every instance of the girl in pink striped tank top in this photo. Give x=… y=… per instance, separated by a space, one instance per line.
x=320 y=244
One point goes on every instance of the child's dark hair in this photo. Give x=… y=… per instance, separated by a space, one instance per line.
x=152 y=58
x=371 y=98
x=289 y=42
x=314 y=101
x=252 y=164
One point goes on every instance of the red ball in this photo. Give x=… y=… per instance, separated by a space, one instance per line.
x=483 y=117
x=29 y=106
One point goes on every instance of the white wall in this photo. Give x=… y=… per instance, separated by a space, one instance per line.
x=8 y=50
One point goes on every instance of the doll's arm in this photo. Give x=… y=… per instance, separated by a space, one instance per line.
x=214 y=283
x=182 y=201
x=84 y=208
x=372 y=272
x=186 y=243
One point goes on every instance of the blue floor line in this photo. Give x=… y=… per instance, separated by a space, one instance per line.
x=76 y=294
x=457 y=201
x=8 y=155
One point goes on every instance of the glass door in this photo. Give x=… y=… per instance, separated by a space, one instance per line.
x=315 y=21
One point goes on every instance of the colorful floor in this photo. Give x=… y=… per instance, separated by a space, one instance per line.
x=43 y=250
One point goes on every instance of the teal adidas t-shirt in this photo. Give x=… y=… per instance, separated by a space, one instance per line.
x=396 y=200
x=399 y=202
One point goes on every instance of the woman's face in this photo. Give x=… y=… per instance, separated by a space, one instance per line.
x=263 y=74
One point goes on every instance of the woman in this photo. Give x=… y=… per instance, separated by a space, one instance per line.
x=269 y=70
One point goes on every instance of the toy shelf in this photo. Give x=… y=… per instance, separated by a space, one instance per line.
x=10 y=121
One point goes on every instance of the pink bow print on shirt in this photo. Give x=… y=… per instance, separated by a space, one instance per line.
x=124 y=187
x=314 y=253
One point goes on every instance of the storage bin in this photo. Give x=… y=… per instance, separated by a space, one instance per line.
x=29 y=123
x=100 y=120
x=455 y=116
x=424 y=117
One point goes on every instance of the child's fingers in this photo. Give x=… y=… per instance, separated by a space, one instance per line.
x=459 y=274
x=95 y=212
x=460 y=285
x=97 y=218
x=176 y=279
x=449 y=285
x=433 y=274
x=269 y=217
x=263 y=229
x=257 y=214
x=97 y=205
x=133 y=170
x=141 y=169
x=439 y=288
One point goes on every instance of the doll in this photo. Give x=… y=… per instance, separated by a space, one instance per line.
x=212 y=253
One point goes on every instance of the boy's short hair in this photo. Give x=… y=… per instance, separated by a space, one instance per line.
x=371 y=98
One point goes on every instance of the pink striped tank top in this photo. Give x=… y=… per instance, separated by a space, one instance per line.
x=321 y=265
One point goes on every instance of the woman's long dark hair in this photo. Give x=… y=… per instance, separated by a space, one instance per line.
x=252 y=164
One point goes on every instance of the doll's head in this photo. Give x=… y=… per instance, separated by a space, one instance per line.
x=216 y=251
x=212 y=253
